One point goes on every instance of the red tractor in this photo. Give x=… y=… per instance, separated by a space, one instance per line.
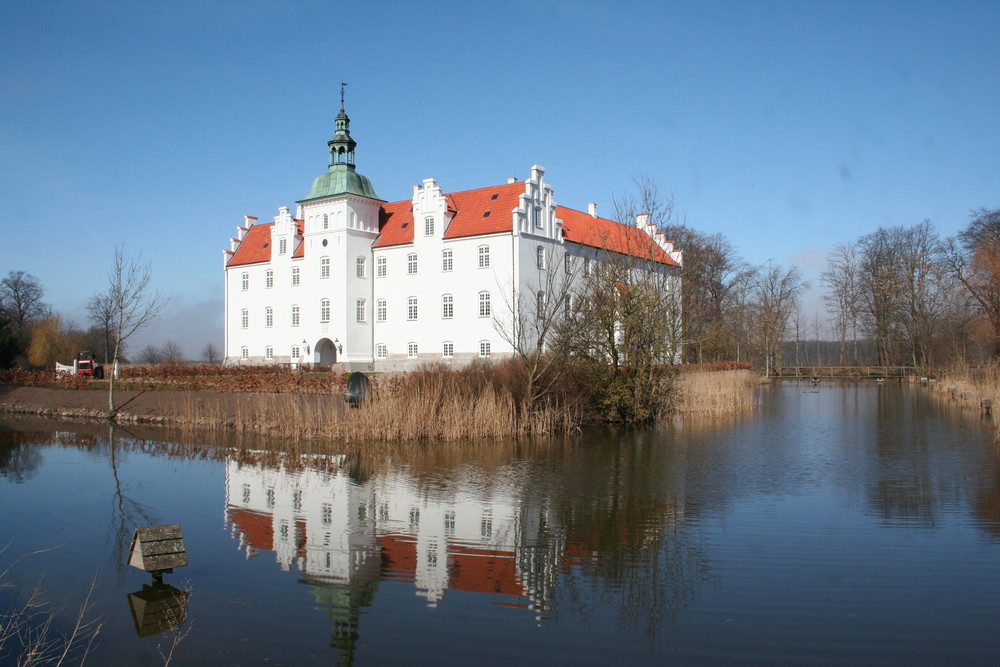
x=87 y=365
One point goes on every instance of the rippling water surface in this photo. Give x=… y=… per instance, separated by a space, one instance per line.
x=854 y=524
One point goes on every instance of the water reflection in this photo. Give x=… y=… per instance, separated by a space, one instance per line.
x=796 y=516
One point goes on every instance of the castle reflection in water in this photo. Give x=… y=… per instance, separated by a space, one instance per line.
x=475 y=533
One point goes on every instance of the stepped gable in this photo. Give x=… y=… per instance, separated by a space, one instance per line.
x=585 y=229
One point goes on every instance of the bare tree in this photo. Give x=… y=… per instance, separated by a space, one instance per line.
x=134 y=305
x=21 y=298
x=975 y=261
x=710 y=279
x=172 y=353
x=533 y=321
x=101 y=311
x=210 y=354
x=151 y=355
x=843 y=296
x=774 y=294
x=881 y=281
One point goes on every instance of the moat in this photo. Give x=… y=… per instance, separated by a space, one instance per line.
x=850 y=522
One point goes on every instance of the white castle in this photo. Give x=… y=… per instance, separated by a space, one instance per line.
x=375 y=285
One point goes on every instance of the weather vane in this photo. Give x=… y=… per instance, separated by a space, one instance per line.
x=342 y=84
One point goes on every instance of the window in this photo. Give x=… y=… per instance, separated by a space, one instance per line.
x=381 y=352
x=295 y=352
x=540 y=304
x=326 y=221
x=447 y=261
x=269 y=279
x=244 y=319
x=586 y=267
x=411 y=263
x=269 y=352
x=326 y=514
x=295 y=316
x=447 y=306
x=484 y=348
x=269 y=317
x=411 y=308
x=568 y=264
x=361 y=267
x=484 y=304
x=428 y=226
x=295 y=276
x=380 y=310
x=246 y=494
x=361 y=311
x=324 y=310
x=244 y=281
x=568 y=305
x=324 y=267
x=538 y=216
x=244 y=353
x=484 y=256
x=282 y=246
x=540 y=257
x=448 y=350
x=411 y=350
x=380 y=267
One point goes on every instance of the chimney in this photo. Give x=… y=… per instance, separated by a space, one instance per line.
x=592 y=209
x=512 y=179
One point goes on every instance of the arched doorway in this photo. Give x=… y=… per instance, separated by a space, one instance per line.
x=325 y=352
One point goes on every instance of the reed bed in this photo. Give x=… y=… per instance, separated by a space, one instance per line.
x=714 y=394
x=971 y=386
x=430 y=405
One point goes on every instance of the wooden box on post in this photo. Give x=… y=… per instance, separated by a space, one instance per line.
x=158 y=549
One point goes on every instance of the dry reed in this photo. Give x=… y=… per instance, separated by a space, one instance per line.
x=971 y=386
x=714 y=394
x=428 y=406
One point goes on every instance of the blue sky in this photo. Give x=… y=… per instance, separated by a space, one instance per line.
x=789 y=127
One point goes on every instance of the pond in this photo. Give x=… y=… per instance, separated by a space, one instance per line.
x=842 y=523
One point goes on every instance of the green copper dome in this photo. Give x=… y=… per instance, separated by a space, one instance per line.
x=341 y=178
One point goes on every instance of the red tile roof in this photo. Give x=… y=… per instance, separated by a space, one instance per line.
x=475 y=213
x=470 y=208
x=585 y=229
x=256 y=246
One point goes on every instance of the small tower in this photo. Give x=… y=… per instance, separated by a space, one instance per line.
x=341 y=178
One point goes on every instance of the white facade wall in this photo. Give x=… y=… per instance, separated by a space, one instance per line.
x=342 y=229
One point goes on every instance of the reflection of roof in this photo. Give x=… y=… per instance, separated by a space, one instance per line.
x=258 y=530
x=605 y=234
x=256 y=527
x=470 y=568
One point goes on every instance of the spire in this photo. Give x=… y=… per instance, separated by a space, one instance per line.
x=341 y=178
x=341 y=144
